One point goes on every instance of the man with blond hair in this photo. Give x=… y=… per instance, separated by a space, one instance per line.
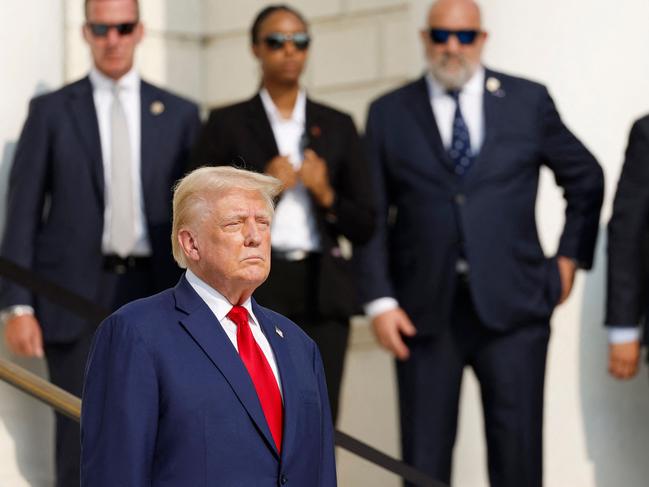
x=456 y=276
x=199 y=385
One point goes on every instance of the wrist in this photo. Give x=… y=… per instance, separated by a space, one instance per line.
x=326 y=197
x=15 y=311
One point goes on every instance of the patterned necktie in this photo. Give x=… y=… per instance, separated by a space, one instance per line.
x=122 y=220
x=260 y=372
x=460 y=149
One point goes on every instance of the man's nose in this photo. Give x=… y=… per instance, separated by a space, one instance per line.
x=252 y=236
x=453 y=43
x=112 y=36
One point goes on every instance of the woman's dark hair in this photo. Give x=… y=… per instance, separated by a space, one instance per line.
x=266 y=12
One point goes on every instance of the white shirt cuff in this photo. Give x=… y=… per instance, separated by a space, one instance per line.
x=15 y=310
x=624 y=334
x=380 y=305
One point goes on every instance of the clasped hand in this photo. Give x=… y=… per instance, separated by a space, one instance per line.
x=313 y=174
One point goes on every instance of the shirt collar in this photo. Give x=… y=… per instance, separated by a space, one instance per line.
x=299 y=110
x=129 y=82
x=218 y=303
x=474 y=86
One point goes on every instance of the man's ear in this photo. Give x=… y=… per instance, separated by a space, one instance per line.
x=189 y=244
x=139 y=32
x=85 y=32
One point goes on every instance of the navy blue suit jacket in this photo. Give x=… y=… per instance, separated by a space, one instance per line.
x=55 y=206
x=168 y=402
x=425 y=211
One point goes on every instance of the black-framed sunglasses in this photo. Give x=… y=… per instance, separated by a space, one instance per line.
x=101 y=30
x=276 y=40
x=465 y=37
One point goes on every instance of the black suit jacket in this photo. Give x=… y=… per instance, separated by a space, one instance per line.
x=628 y=235
x=55 y=208
x=425 y=212
x=241 y=134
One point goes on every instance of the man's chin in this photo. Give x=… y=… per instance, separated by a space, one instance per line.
x=255 y=278
x=452 y=79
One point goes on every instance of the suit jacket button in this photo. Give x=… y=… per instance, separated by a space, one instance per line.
x=460 y=199
x=283 y=480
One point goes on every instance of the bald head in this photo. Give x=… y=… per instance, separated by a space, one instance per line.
x=457 y=13
x=454 y=58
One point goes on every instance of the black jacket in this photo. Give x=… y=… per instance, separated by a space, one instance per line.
x=241 y=135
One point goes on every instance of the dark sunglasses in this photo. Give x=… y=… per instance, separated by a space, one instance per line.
x=276 y=40
x=101 y=30
x=441 y=36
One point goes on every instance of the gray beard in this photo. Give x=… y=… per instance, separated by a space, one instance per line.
x=452 y=80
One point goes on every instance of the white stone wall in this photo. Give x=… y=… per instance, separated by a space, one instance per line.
x=593 y=57
x=31 y=54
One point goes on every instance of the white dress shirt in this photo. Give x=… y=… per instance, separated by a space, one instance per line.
x=294 y=225
x=220 y=306
x=129 y=95
x=443 y=106
x=471 y=105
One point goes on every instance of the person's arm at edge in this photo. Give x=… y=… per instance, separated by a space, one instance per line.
x=25 y=199
x=626 y=274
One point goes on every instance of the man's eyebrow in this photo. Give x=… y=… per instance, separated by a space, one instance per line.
x=232 y=217
x=240 y=215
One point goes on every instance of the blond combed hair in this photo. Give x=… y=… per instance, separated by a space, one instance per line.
x=194 y=193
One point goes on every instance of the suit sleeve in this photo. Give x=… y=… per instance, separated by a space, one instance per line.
x=372 y=258
x=120 y=409
x=28 y=183
x=353 y=211
x=578 y=173
x=627 y=233
x=328 y=460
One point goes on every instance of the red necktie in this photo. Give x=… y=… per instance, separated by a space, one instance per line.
x=260 y=372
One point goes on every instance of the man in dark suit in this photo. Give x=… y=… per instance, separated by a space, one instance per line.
x=199 y=385
x=89 y=202
x=628 y=251
x=325 y=208
x=455 y=274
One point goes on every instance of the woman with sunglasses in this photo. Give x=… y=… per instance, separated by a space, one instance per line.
x=326 y=204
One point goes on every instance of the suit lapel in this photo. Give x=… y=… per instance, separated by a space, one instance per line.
x=261 y=130
x=200 y=323
x=318 y=138
x=286 y=368
x=418 y=101
x=152 y=112
x=82 y=108
x=313 y=127
x=491 y=101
